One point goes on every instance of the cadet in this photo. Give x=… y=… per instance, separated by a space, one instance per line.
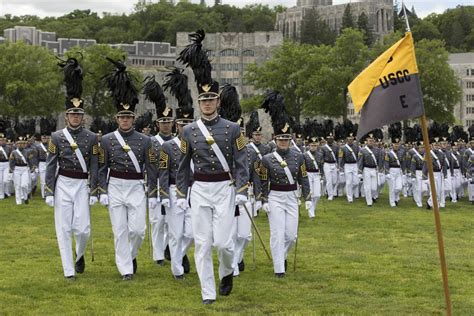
x=439 y=171
x=21 y=162
x=314 y=174
x=47 y=126
x=416 y=169
x=73 y=151
x=280 y=172
x=5 y=174
x=123 y=155
x=329 y=153
x=348 y=163
x=367 y=165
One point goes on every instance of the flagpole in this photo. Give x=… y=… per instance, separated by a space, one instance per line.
x=434 y=198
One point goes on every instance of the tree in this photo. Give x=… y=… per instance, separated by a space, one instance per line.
x=95 y=66
x=425 y=30
x=347 y=19
x=314 y=31
x=29 y=81
x=363 y=26
x=439 y=84
x=398 y=22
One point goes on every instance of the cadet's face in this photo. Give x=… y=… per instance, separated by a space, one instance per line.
x=21 y=144
x=257 y=138
x=396 y=146
x=350 y=141
x=370 y=142
x=125 y=123
x=165 y=127
x=283 y=144
x=313 y=147
x=180 y=128
x=44 y=139
x=2 y=141
x=74 y=119
x=209 y=107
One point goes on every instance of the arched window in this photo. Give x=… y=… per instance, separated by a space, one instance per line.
x=248 y=52
x=229 y=52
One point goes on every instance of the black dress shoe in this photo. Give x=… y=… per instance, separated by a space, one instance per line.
x=428 y=207
x=208 y=302
x=167 y=253
x=286 y=265
x=186 y=264
x=241 y=265
x=396 y=203
x=80 y=265
x=127 y=277
x=70 y=278
x=160 y=262
x=279 y=275
x=179 y=277
x=374 y=200
x=226 y=285
x=27 y=202
x=135 y=266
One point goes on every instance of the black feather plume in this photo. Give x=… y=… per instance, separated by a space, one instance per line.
x=230 y=105
x=195 y=57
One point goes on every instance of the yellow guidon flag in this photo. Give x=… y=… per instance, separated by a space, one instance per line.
x=388 y=90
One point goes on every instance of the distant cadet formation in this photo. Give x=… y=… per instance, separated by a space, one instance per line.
x=203 y=180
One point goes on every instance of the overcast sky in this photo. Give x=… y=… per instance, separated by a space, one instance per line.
x=44 y=8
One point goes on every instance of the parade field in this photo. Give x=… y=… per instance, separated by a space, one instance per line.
x=351 y=260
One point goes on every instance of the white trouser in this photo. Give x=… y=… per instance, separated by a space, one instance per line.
x=283 y=219
x=179 y=233
x=34 y=179
x=381 y=183
x=159 y=232
x=42 y=175
x=456 y=186
x=470 y=190
x=341 y=183
x=352 y=180
x=212 y=217
x=314 y=179
x=71 y=216
x=330 y=174
x=370 y=184
x=21 y=179
x=439 y=185
x=447 y=183
x=4 y=184
x=418 y=188
x=127 y=209
x=242 y=235
x=395 y=185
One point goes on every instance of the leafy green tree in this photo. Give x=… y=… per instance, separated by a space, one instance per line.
x=315 y=31
x=363 y=26
x=29 y=81
x=425 y=30
x=347 y=18
x=398 y=22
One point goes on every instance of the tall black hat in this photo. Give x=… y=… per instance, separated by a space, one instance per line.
x=298 y=130
x=434 y=132
x=253 y=125
x=312 y=130
x=471 y=132
x=195 y=57
x=73 y=77
x=177 y=83
x=4 y=124
x=47 y=125
x=143 y=121
x=395 y=132
x=458 y=134
x=328 y=127
x=122 y=88
x=99 y=126
x=230 y=106
x=350 y=130
x=154 y=93
x=339 y=132
x=25 y=129
x=274 y=105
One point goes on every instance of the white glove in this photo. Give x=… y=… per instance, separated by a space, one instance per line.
x=388 y=176
x=50 y=200
x=165 y=202
x=104 y=199
x=181 y=203
x=360 y=176
x=10 y=177
x=93 y=200
x=240 y=199
x=266 y=208
x=307 y=204
x=258 y=205
x=152 y=202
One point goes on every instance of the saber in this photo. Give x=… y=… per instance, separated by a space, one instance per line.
x=253 y=240
x=92 y=242
x=258 y=233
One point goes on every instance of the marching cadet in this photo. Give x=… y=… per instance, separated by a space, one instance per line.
x=217 y=149
x=164 y=122
x=314 y=173
x=72 y=160
x=299 y=143
x=5 y=150
x=446 y=150
x=329 y=157
x=454 y=158
x=469 y=168
x=180 y=232
x=348 y=162
x=393 y=170
x=254 y=132
x=33 y=153
x=21 y=162
x=439 y=171
x=368 y=165
x=47 y=126
x=280 y=172
x=416 y=170
x=124 y=154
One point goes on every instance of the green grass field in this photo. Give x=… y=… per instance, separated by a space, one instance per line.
x=351 y=260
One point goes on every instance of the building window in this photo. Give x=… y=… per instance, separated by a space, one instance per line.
x=248 y=52
x=350 y=112
x=472 y=72
x=210 y=53
x=469 y=110
x=469 y=84
x=229 y=52
x=469 y=122
x=236 y=81
x=236 y=67
x=469 y=97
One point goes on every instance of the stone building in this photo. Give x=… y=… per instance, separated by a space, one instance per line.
x=379 y=13
x=463 y=66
